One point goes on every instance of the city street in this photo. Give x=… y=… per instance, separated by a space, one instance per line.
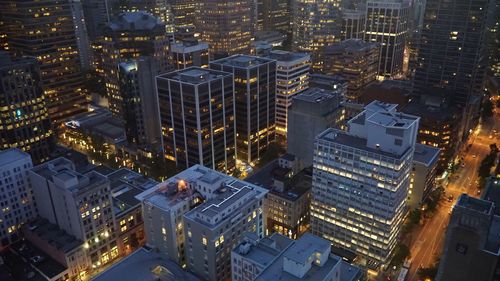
x=427 y=241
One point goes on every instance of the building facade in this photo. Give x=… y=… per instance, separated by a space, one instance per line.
x=80 y=204
x=255 y=103
x=423 y=174
x=189 y=52
x=17 y=204
x=361 y=180
x=46 y=30
x=215 y=227
x=353 y=24
x=316 y=24
x=227 y=26
x=198 y=117
x=387 y=23
x=292 y=78
x=312 y=112
x=127 y=37
x=356 y=61
x=25 y=122
x=273 y=15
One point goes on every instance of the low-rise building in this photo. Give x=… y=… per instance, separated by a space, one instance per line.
x=16 y=196
x=287 y=204
x=423 y=174
x=145 y=264
x=189 y=52
x=471 y=248
x=308 y=258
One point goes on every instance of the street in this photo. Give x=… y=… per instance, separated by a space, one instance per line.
x=427 y=240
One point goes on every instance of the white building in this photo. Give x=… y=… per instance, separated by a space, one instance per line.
x=361 y=180
x=16 y=198
x=292 y=78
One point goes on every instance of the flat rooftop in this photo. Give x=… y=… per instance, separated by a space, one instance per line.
x=344 y=138
x=478 y=205
x=492 y=193
x=285 y=56
x=53 y=235
x=266 y=250
x=352 y=45
x=242 y=61
x=316 y=95
x=194 y=75
x=295 y=187
x=47 y=266
x=12 y=155
x=145 y=265
x=425 y=154
x=305 y=247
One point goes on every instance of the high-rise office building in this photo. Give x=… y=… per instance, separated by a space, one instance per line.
x=255 y=102
x=316 y=24
x=423 y=174
x=128 y=36
x=356 y=61
x=452 y=59
x=16 y=195
x=227 y=26
x=312 y=112
x=25 y=122
x=361 y=180
x=45 y=30
x=140 y=102
x=292 y=78
x=189 y=52
x=97 y=14
x=184 y=12
x=387 y=23
x=471 y=245
x=212 y=229
x=198 y=117
x=273 y=15
x=82 y=38
x=80 y=204
x=353 y=24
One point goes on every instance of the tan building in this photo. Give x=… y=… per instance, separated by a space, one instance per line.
x=356 y=61
x=423 y=174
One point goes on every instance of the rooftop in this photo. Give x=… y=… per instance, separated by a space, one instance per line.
x=53 y=235
x=242 y=61
x=265 y=250
x=315 y=95
x=194 y=75
x=47 y=266
x=295 y=187
x=305 y=247
x=478 y=205
x=351 y=45
x=12 y=155
x=492 y=193
x=343 y=138
x=285 y=56
x=425 y=154
x=187 y=46
x=135 y=21
x=145 y=265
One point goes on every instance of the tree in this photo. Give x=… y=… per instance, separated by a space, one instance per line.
x=487 y=110
x=401 y=253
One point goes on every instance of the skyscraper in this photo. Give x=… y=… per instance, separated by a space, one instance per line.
x=197 y=117
x=387 y=23
x=126 y=37
x=45 y=30
x=452 y=59
x=184 y=12
x=140 y=102
x=25 y=122
x=353 y=24
x=17 y=203
x=189 y=52
x=274 y=15
x=316 y=24
x=97 y=14
x=361 y=180
x=292 y=78
x=255 y=103
x=356 y=61
x=227 y=26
